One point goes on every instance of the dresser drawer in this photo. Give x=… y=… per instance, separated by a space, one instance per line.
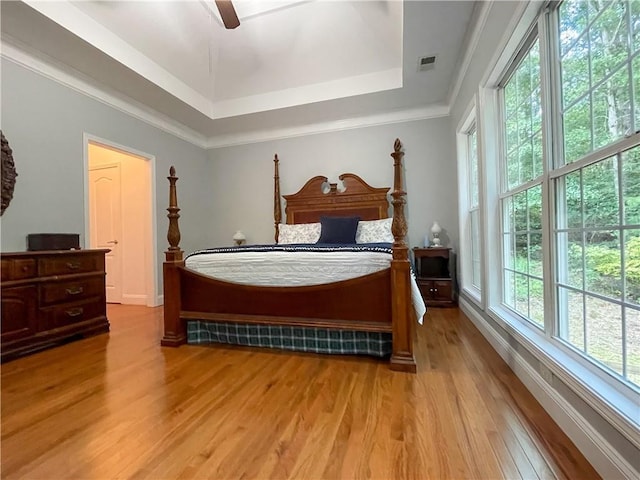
x=56 y=292
x=69 y=313
x=68 y=264
x=17 y=268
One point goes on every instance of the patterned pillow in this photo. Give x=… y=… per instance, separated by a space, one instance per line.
x=298 y=233
x=375 y=231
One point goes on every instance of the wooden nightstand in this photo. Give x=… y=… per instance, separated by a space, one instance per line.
x=435 y=275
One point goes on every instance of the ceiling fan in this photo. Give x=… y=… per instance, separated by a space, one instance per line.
x=228 y=14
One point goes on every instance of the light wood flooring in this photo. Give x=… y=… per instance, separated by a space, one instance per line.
x=120 y=406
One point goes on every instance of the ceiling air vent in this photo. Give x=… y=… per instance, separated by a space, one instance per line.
x=426 y=63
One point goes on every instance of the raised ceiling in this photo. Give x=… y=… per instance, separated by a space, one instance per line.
x=289 y=62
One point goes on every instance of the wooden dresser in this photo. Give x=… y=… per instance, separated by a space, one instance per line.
x=49 y=297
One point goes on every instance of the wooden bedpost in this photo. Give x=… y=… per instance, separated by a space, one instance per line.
x=174 y=328
x=277 y=208
x=402 y=307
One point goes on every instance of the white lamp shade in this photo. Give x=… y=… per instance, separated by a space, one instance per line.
x=435 y=228
x=239 y=236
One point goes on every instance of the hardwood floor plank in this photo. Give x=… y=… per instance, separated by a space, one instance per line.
x=120 y=406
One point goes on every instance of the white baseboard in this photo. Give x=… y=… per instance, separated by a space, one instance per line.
x=596 y=449
x=134 y=299
x=159 y=301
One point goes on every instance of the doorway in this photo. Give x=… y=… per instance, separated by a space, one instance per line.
x=120 y=216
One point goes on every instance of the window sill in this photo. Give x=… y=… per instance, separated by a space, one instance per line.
x=618 y=408
x=473 y=294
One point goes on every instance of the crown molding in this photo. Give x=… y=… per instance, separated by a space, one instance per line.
x=41 y=64
x=399 y=116
x=471 y=45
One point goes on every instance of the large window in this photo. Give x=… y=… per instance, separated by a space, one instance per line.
x=470 y=215
x=597 y=228
x=521 y=184
x=570 y=187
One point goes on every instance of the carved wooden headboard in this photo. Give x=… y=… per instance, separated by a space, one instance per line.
x=318 y=197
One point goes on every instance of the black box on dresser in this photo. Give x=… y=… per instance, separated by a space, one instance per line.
x=53 y=241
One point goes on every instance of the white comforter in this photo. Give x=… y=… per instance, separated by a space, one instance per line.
x=296 y=268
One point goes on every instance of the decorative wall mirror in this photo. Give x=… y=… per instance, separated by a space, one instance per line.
x=8 y=173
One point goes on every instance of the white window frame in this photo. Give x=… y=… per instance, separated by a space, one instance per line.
x=468 y=124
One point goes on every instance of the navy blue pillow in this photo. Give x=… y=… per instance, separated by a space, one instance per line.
x=338 y=229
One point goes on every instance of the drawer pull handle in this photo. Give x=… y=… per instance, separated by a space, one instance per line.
x=73 y=266
x=74 y=312
x=74 y=290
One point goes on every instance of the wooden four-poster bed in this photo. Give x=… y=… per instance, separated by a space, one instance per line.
x=377 y=302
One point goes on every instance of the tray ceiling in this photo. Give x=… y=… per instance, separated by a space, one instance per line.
x=311 y=61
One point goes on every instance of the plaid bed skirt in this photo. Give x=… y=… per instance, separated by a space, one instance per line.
x=301 y=339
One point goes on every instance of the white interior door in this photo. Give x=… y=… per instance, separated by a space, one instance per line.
x=105 y=223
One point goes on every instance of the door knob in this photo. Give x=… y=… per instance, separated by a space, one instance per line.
x=113 y=242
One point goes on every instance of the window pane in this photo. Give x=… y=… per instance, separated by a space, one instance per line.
x=475 y=248
x=513 y=169
x=525 y=156
x=510 y=103
x=632 y=266
x=536 y=302
x=522 y=294
x=535 y=254
x=520 y=212
x=476 y=274
x=608 y=36
x=473 y=169
x=632 y=319
x=635 y=24
x=602 y=263
x=569 y=246
x=631 y=185
x=636 y=89
x=534 y=207
x=575 y=318
x=575 y=257
x=509 y=289
x=523 y=118
x=522 y=261
x=577 y=130
x=612 y=109
x=595 y=73
x=575 y=72
x=600 y=190
x=573 y=194
x=509 y=249
x=536 y=145
x=604 y=332
x=573 y=22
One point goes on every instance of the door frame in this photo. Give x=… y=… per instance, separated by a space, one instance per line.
x=151 y=231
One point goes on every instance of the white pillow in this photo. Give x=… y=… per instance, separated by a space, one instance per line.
x=375 y=231
x=298 y=233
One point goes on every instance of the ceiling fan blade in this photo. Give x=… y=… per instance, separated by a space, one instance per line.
x=228 y=14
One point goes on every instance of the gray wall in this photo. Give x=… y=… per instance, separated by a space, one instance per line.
x=499 y=17
x=44 y=122
x=242 y=176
